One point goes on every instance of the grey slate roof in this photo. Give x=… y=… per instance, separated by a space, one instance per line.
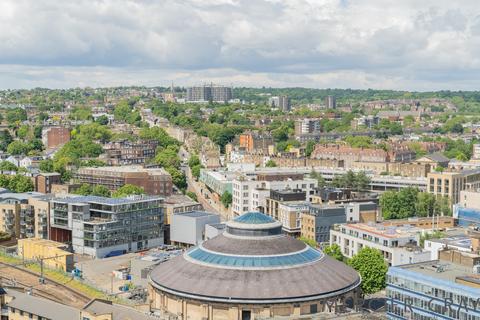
x=42 y=307
x=100 y=307
x=437 y=157
x=279 y=245
x=320 y=279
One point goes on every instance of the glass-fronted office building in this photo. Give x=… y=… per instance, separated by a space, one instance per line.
x=433 y=290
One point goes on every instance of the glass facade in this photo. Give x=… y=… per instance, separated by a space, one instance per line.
x=309 y=255
x=254 y=218
x=412 y=295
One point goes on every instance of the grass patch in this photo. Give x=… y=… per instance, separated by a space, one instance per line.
x=58 y=276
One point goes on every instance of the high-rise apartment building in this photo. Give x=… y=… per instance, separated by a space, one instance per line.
x=330 y=102
x=209 y=93
x=307 y=126
x=280 y=102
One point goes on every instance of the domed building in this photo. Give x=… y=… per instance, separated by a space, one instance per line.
x=251 y=271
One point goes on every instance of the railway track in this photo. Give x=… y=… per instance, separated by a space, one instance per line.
x=50 y=289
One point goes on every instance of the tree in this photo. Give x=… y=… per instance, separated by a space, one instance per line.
x=226 y=199
x=46 y=165
x=18 y=147
x=270 y=163
x=309 y=148
x=178 y=178
x=425 y=204
x=443 y=206
x=362 y=181
x=193 y=161
x=7 y=166
x=334 y=251
x=281 y=133
x=168 y=157
x=126 y=190
x=359 y=141
x=100 y=191
x=37 y=132
x=85 y=189
x=122 y=111
x=372 y=267
x=310 y=242
x=36 y=144
x=192 y=195
x=399 y=205
x=103 y=120
x=319 y=177
x=20 y=183
x=5 y=139
x=196 y=171
x=16 y=115
x=23 y=131
x=159 y=135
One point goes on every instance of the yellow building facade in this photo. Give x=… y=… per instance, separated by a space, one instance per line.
x=54 y=253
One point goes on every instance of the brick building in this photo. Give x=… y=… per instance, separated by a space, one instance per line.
x=127 y=152
x=155 y=181
x=44 y=181
x=251 y=141
x=55 y=136
x=397 y=153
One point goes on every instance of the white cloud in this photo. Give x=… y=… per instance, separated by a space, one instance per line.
x=409 y=44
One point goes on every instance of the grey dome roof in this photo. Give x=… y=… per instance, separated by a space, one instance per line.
x=249 y=268
x=324 y=278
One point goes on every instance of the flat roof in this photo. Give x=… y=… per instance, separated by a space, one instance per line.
x=20 y=196
x=195 y=214
x=438 y=269
x=105 y=200
x=179 y=199
x=132 y=168
x=42 y=307
x=385 y=231
x=456 y=241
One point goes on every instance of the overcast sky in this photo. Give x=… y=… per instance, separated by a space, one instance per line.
x=383 y=44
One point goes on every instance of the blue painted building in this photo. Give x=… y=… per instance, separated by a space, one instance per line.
x=434 y=290
x=466 y=216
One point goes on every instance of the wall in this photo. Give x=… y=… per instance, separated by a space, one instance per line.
x=34 y=249
x=194 y=309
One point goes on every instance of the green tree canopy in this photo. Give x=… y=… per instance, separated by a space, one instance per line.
x=127 y=190
x=192 y=195
x=18 y=147
x=372 y=267
x=226 y=199
x=7 y=166
x=47 y=165
x=270 y=164
x=312 y=243
x=334 y=251
x=16 y=183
